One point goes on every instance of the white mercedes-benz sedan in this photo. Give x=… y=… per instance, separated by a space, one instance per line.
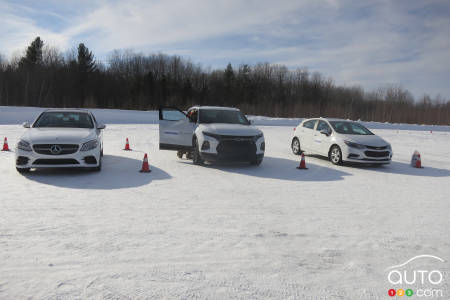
x=340 y=141
x=64 y=138
x=211 y=133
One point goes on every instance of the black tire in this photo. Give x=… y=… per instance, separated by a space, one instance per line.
x=197 y=159
x=295 y=146
x=99 y=167
x=335 y=155
x=23 y=170
x=257 y=161
x=101 y=152
x=180 y=154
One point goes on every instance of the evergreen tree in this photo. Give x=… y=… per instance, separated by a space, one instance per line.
x=33 y=55
x=86 y=62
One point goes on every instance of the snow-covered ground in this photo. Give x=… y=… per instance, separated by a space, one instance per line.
x=219 y=231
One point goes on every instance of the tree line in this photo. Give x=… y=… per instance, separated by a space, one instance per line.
x=43 y=76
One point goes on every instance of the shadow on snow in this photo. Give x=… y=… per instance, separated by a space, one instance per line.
x=394 y=167
x=117 y=172
x=282 y=169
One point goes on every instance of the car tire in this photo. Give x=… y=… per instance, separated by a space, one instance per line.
x=23 y=170
x=197 y=159
x=180 y=154
x=335 y=155
x=101 y=152
x=295 y=146
x=257 y=161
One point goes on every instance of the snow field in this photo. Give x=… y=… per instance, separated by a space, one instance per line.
x=220 y=231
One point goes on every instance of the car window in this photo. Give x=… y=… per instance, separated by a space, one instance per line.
x=310 y=124
x=345 y=127
x=64 y=119
x=172 y=114
x=323 y=126
x=222 y=116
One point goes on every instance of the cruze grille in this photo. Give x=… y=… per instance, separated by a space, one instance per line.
x=55 y=149
x=376 y=148
x=376 y=154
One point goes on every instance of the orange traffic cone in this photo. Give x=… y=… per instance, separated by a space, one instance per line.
x=145 y=166
x=127 y=146
x=416 y=161
x=5 y=145
x=302 y=165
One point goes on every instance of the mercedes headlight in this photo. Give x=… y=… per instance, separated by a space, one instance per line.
x=89 y=145
x=354 y=145
x=24 y=145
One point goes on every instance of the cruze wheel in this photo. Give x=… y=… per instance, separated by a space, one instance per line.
x=295 y=145
x=336 y=155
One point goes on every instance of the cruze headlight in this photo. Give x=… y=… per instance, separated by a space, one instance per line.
x=89 y=145
x=24 y=145
x=216 y=136
x=354 y=145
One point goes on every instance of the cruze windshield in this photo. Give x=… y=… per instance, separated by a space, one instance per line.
x=64 y=119
x=222 y=116
x=344 y=127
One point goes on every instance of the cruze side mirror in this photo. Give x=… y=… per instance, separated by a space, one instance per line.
x=26 y=125
x=101 y=126
x=326 y=132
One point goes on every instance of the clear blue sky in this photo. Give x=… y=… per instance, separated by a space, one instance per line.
x=364 y=42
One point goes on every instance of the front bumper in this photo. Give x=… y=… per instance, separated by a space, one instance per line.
x=367 y=156
x=234 y=148
x=79 y=159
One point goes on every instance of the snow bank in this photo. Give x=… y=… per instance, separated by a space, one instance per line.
x=10 y=115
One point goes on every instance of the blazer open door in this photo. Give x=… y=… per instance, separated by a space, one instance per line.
x=175 y=129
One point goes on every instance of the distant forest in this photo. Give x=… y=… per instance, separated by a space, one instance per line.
x=43 y=76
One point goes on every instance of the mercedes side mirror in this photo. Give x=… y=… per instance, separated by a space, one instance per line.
x=26 y=125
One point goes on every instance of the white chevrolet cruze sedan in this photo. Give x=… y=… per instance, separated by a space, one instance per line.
x=340 y=141
x=211 y=133
x=61 y=138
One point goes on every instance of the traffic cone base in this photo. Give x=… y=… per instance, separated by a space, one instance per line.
x=145 y=166
x=5 y=145
x=302 y=165
x=127 y=146
x=416 y=161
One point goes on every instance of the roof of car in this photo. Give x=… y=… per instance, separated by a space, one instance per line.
x=67 y=110
x=329 y=119
x=215 y=107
